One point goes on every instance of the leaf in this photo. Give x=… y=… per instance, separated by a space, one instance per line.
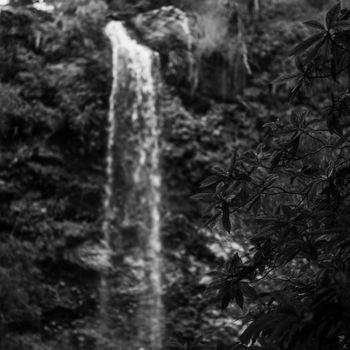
x=327 y=48
x=314 y=24
x=220 y=171
x=312 y=192
x=295 y=119
x=332 y=15
x=272 y=125
x=226 y=217
x=233 y=290
x=295 y=146
x=343 y=39
x=253 y=330
x=216 y=284
x=295 y=90
x=334 y=70
x=211 y=219
x=342 y=24
x=239 y=298
x=256 y=206
x=225 y=300
x=235 y=261
x=243 y=195
x=313 y=53
x=276 y=159
x=284 y=78
x=205 y=196
x=233 y=161
x=217 y=273
x=299 y=64
x=248 y=290
x=219 y=187
x=305 y=44
x=211 y=180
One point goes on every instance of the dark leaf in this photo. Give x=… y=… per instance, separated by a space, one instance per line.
x=239 y=298
x=332 y=15
x=217 y=273
x=342 y=24
x=248 y=290
x=330 y=123
x=295 y=90
x=211 y=219
x=334 y=70
x=313 y=53
x=253 y=330
x=207 y=197
x=225 y=300
x=226 y=223
x=211 y=180
x=233 y=290
x=276 y=159
x=295 y=146
x=306 y=44
x=216 y=284
x=314 y=24
x=299 y=64
x=219 y=171
x=286 y=77
x=249 y=333
x=313 y=191
x=233 y=161
x=256 y=206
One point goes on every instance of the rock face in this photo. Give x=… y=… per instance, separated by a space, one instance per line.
x=166 y=28
x=192 y=57
x=168 y=31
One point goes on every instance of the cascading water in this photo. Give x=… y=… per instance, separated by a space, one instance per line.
x=132 y=204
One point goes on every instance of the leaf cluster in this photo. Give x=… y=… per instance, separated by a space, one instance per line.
x=292 y=193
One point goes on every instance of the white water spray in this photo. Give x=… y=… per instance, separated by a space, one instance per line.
x=133 y=158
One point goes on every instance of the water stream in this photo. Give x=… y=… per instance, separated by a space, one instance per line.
x=133 y=197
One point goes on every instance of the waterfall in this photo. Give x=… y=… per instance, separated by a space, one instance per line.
x=132 y=202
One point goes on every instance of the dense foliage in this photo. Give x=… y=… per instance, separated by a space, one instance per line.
x=52 y=147
x=291 y=194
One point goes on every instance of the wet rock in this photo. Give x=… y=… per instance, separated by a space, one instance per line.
x=83 y=247
x=92 y=256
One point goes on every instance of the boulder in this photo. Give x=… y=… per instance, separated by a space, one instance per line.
x=92 y=256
